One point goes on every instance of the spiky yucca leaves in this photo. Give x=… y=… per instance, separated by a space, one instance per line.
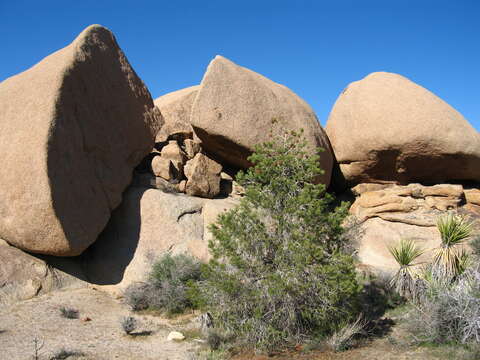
x=405 y=253
x=454 y=231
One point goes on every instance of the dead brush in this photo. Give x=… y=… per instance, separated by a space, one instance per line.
x=69 y=313
x=343 y=338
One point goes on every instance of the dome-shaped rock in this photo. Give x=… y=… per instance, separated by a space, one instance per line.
x=236 y=109
x=387 y=128
x=176 y=108
x=72 y=128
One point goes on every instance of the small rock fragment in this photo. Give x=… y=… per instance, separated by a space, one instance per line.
x=175 y=336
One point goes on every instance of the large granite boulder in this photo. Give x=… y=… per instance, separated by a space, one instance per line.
x=386 y=128
x=236 y=109
x=72 y=128
x=176 y=108
x=23 y=276
x=148 y=224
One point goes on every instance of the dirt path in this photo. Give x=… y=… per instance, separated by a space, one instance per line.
x=99 y=338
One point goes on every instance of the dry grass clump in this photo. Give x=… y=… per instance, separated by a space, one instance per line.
x=343 y=338
x=63 y=354
x=168 y=287
x=129 y=324
x=69 y=313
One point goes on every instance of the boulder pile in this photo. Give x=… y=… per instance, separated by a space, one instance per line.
x=93 y=166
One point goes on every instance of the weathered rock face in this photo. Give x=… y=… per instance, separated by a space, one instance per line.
x=236 y=109
x=387 y=128
x=389 y=213
x=176 y=108
x=378 y=234
x=72 y=128
x=406 y=203
x=203 y=177
x=23 y=276
x=150 y=223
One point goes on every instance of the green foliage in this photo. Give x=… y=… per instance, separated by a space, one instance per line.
x=170 y=286
x=446 y=294
x=454 y=230
x=280 y=273
x=405 y=253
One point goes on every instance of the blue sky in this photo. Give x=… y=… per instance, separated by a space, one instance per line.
x=314 y=47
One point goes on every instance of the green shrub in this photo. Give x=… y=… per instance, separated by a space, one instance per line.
x=280 y=273
x=169 y=287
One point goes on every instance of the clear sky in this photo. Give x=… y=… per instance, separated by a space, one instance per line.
x=314 y=47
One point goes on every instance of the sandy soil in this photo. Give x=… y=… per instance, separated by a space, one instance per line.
x=101 y=337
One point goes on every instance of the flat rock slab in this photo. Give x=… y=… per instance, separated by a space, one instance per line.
x=72 y=128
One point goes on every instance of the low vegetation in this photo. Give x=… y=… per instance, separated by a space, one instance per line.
x=129 y=324
x=169 y=286
x=444 y=294
x=69 y=313
x=63 y=354
x=281 y=273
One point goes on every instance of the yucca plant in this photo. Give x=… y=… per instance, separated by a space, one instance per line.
x=405 y=254
x=454 y=231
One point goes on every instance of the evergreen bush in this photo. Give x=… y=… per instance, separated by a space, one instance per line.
x=280 y=272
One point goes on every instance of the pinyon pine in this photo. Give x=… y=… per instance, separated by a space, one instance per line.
x=280 y=273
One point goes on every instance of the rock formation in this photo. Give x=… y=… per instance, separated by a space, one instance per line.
x=23 y=276
x=72 y=128
x=203 y=176
x=176 y=108
x=388 y=213
x=385 y=128
x=148 y=224
x=236 y=109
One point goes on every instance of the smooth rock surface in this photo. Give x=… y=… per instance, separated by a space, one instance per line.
x=148 y=224
x=176 y=108
x=72 y=128
x=378 y=234
x=386 y=128
x=236 y=109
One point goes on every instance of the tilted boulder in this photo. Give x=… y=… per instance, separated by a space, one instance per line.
x=203 y=176
x=236 y=109
x=176 y=108
x=386 y=128
x=72 y=128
